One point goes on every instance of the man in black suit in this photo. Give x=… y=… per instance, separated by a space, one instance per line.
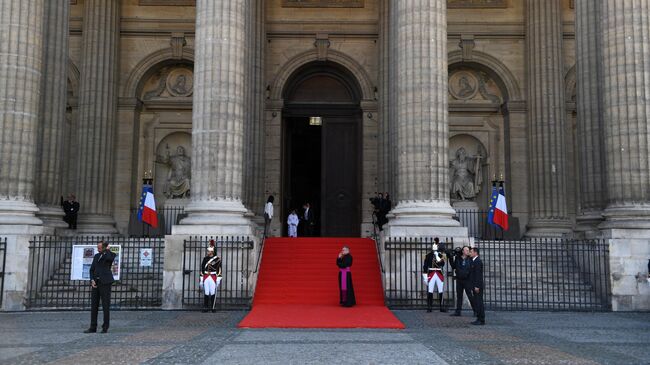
x=101 y=279
x=461 y=266
x=476 y=282
x=70 y=209
x=308 y=221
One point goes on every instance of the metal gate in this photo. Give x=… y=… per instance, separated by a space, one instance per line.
x=534 y=275
x=3 y=263
x=236 y=255
x=51 y=287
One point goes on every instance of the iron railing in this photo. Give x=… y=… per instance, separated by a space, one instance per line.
x=477 y=224
x=237 y=257
x=50 y=285
x=546 y=275
x=3 y=263
x=167 y=218
x=403 y=273
x=533 y=275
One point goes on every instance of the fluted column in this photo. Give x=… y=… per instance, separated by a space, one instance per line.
x=546 y=119
x=21 y=68
x=52 y=113
x=254 y=132
x=97 y=115
x=593 y=192
x=422 y=121
x=626 y=73
x=218 y=119
x=383 y=163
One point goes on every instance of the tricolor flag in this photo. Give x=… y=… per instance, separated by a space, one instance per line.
x=147 y=210
x=494 y=197
x=500 y=216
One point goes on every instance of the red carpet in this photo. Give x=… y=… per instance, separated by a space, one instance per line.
x=297 y=286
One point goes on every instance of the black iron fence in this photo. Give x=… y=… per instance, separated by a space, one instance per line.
x=238 y=263
x=546 y=275
x=3 y=262
x=403 y=260
x=167 y=218
x=477 y=224
x=540 y=274
x=58 y=262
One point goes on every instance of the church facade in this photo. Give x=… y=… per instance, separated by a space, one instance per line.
x=223 y=103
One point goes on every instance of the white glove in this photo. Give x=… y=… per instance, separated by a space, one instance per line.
x=201 y=282
x=425 y=277
x=219 y=278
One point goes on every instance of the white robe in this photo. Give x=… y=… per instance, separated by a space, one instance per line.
x=293 y=225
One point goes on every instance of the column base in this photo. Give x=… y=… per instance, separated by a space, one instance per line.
x=633 y=216
x=425 y=219
x=52 y=216
x=549 y=228
x=96 y=224
x=629 y=250
x=219 y=217
x=18 y=212
x=587 y=224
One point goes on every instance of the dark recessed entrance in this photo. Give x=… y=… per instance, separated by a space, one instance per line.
x=322 y=162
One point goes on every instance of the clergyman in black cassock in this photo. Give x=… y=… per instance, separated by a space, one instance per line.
x=346 y=290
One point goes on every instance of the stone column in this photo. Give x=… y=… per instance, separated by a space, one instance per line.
x=384 y=155
x=626 y=75
x=21 y=68
x=593 y=192
x=422 y=128
x=218 y=120
x=253 y=168
x=53 y=113
x=97 y=115
x=546 y=119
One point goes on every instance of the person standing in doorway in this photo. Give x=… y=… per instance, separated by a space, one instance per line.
x=476 y=283
x=101 y=279
x=268 y=215
x=308 y=220
x=292 y=223
x=71 y=210
x=346 y=290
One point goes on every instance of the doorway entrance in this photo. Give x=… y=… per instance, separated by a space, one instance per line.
x=322 y=149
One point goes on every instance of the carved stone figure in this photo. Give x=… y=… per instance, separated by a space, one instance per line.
x=466 y=176
x=178 y=181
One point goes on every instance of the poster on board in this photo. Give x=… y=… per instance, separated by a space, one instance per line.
x=82 y=258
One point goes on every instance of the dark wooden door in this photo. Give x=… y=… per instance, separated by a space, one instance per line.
x=340 y=178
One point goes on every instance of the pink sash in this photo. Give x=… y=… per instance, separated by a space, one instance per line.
x=344 y=278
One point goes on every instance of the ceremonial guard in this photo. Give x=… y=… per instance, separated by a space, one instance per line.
x=210 y=278
x=433 y=275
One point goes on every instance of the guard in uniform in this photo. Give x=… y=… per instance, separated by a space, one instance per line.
x=433 y=275
x=210 y=278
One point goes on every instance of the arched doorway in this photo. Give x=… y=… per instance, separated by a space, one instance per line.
x=322 y=149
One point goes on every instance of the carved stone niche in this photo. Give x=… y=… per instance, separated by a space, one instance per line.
x=469 y=85
x=174 y=83
x=463 y=4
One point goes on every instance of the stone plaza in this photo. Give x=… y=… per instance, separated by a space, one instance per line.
x=436 y=339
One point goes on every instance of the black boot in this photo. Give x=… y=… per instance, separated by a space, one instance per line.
x=206 y=304
x=442 y=303
x=429 y=302
x=212 y=306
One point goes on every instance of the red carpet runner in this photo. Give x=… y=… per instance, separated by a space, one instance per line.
x=297 y=286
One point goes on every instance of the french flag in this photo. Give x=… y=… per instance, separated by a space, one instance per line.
x=147 y=210
x=500 y=217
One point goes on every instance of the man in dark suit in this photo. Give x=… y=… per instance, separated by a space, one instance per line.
x=101 y=279
x=308 y=222
x=461 y=265
x=476 y=282
x=70 y=209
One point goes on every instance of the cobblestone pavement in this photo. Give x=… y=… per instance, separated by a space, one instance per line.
x=155 y=337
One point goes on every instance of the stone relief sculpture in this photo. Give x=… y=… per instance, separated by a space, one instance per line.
x=177 y=185
x=466 y=175
x=477 y=4
x=175 y=81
